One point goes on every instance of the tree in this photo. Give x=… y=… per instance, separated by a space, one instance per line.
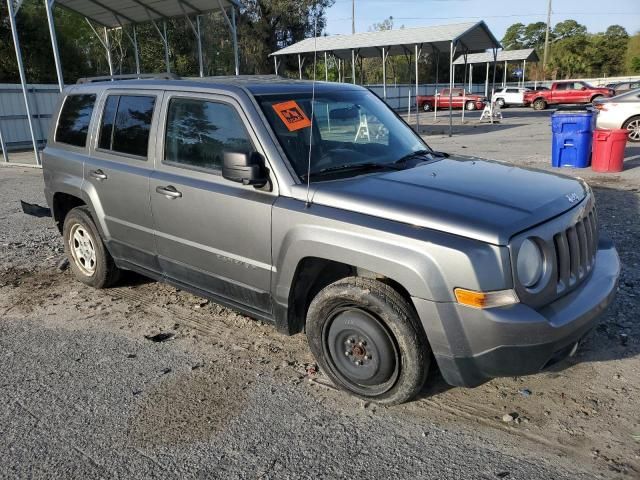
x=568 y=28
x=269 y=25
x=533 y=35
x=632 y=58
x=512 y=39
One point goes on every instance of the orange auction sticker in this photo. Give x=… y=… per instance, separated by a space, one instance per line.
x=292 y=115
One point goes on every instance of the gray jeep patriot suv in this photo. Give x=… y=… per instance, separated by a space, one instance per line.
x=318 y=209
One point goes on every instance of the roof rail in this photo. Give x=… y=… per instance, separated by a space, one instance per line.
x=133 y=76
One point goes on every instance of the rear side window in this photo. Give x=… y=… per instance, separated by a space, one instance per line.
x=199 y=132
x=73 y=124
x=125 y=124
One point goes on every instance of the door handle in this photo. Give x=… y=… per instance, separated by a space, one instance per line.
x=98 y=174
x=169 y=191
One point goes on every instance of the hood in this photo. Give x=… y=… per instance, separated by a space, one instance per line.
x=485 y=200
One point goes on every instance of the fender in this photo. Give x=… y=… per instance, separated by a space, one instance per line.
x=414 y=257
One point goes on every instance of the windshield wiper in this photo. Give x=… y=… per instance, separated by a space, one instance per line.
x=353 y=166
x=420 y=154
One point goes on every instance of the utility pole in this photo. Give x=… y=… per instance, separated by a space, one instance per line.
x=546 y=41
x=353 y=16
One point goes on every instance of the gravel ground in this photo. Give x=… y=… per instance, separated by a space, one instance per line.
x=85 y=394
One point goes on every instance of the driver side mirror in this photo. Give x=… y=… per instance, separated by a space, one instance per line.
x=583 y=88
x=245 y=168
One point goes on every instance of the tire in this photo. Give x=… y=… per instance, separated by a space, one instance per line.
x=539 y=104
x=470 y=106
x=633 y=125
x=595 y=97
x=362 y=320
x=501 y=103
x=426 y=107
x=89 y=259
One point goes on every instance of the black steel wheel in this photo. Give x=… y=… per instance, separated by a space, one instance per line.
x=367 y=339
x=361 y=351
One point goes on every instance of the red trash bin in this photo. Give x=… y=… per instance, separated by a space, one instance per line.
x=608 y=150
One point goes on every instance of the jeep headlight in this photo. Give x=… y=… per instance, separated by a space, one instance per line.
x=530 y=263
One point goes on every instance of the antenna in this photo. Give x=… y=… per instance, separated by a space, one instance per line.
x=313 y=98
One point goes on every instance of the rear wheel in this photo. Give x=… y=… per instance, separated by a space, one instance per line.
x=633 y=127
x=539 y=104
x=367 y=339
x=426 y=107
x=471 y=105
x=89 y=259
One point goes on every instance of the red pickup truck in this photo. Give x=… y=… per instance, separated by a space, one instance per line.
x=459 y=98
x=567 y=93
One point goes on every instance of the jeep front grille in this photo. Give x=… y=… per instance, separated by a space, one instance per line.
x=575 y=250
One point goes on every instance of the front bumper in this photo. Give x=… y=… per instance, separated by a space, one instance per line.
x=472 y=346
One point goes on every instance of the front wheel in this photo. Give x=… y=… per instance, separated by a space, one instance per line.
x=471 y=106
x=633 y=127
x=500 y=102
x=596 y=97
x=367 y=339
x=539 y=104
x=426 y=107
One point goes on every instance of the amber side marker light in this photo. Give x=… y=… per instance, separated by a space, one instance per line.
x=474 y=299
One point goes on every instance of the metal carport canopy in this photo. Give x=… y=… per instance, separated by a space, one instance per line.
x=115 y=13
x=525 y=55
x=472 y=37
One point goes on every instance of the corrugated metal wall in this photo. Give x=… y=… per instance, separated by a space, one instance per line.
x=13 y=117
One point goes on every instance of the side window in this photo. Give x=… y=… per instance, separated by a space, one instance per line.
x=562 y=86
x=199 y=132
x=73 y=124
x=125 y=125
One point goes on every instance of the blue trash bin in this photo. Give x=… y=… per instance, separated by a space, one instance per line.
x=572 y=136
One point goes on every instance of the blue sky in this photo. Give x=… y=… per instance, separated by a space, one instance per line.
x=597 y=15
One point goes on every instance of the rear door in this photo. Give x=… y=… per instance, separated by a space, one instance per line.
x=211 y=233
x=117 y=174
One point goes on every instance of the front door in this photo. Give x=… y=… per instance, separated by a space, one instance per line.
x=117 y=172
x=211 y=233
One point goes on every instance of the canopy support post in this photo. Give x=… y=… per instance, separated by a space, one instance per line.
x=196 y=33
x=417 y=55
x=166 y=46
x=134 y=42
x=199 y=35
x=504 y=75
x=300 y=66
x=384 y=74
x=135 y=49
x=435 y=93
x=353 y=66
x=49 y=4
x=234 y=32
x=104 y=42
x=471 y=78
x=275 y=64
x=451 y=71
x=464 y=80
x=5 y=155
x=493 y=82
x=23 y=80
x=326 y=68
x=486 y=82
x=524 y=71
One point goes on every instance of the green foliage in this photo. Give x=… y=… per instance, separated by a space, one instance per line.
x=263 y=27
x=575 y=52
x=632 y=59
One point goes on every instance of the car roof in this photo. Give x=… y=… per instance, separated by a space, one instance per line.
x=253 y=84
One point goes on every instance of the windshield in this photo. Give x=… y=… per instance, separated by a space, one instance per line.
x=351 y=129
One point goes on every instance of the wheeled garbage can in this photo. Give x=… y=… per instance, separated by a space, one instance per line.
x=572 y=136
